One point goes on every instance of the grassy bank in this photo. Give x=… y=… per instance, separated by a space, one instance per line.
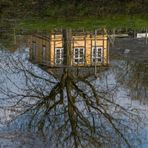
x=134 y=22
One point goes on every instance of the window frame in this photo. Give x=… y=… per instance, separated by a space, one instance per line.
x=97 y=57
x=61 y=56
x=79 y=55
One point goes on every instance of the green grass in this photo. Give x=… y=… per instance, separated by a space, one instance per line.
x=88 y=23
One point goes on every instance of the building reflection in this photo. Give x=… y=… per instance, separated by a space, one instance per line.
x=69 y=48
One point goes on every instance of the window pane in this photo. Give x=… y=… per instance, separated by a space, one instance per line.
x=99 y=52
x=81 y=50
x=58 y=51
x=81 y=60
x=76 y=53
x=76 y=50
x=81 y=55
x=76 y=60
x=76 y=56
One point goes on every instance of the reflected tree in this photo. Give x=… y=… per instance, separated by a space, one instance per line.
x=69 y=110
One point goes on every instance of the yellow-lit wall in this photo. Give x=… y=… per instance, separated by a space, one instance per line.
x=84 y=41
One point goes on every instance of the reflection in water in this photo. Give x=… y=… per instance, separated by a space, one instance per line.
x=66 y=103
x=131 y=69
x=17 y=139
x=74 y=112
x=134 y=78
x=69 y=48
